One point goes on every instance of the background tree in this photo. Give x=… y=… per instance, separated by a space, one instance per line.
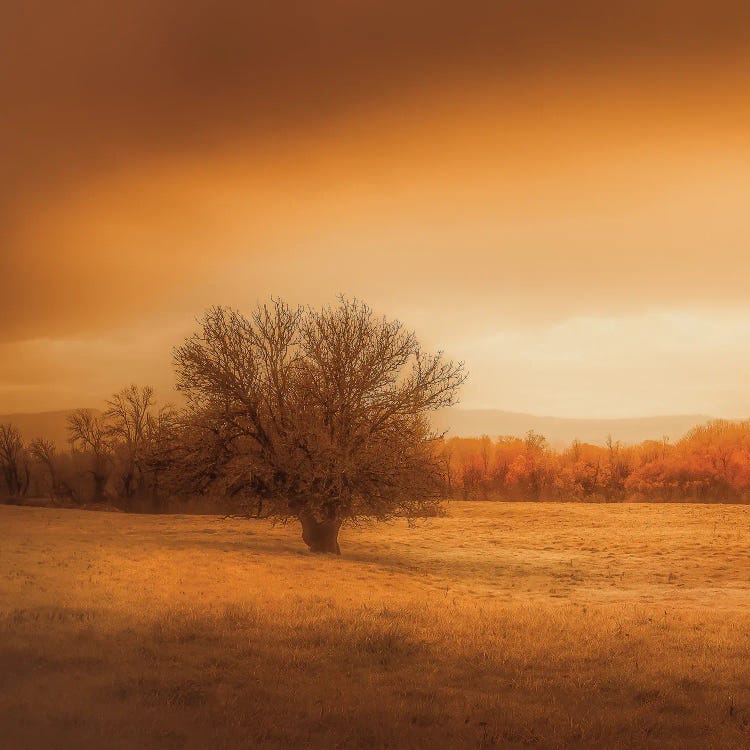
x=13 y=461
x=128 y=418
x=89 y=434
x=45 y=453
x=157 y=450
x=319 y=414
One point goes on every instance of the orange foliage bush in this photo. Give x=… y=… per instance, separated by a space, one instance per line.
x=711 y=463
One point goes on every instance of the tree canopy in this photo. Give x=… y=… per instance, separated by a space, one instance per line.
x=320 y=415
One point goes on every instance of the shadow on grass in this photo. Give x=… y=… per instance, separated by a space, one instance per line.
x=306 y=673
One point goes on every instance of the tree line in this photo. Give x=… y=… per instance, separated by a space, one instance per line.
x=115 y=455
x=123 y=455
x=711 y=463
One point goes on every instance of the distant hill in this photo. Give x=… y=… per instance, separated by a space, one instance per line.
x=46 y=424
x=459 y=423
x=561 y=431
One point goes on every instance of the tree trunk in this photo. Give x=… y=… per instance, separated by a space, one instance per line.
x=320 y=536
x=13 y=480
x=100 y=482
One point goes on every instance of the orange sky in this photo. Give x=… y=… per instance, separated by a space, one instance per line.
x=554 y=192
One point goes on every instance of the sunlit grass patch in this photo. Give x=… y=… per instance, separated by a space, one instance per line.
x=407 y=641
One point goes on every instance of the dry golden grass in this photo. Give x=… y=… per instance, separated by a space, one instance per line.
x=501 y=625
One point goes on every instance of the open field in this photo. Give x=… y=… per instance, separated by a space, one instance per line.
x=501 y=625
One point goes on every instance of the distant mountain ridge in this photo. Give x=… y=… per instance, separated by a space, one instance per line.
x=559 y=431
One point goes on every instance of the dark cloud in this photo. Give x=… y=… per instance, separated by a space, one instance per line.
x=91 y=88
x=86 y=82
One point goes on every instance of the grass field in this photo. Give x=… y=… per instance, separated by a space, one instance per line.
x=500 y=625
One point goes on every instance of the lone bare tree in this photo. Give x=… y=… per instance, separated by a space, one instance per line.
x=318 y=415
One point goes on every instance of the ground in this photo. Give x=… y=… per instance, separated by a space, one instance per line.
x=500 y=625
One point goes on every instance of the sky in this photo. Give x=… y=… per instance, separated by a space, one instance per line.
x=554 y=193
